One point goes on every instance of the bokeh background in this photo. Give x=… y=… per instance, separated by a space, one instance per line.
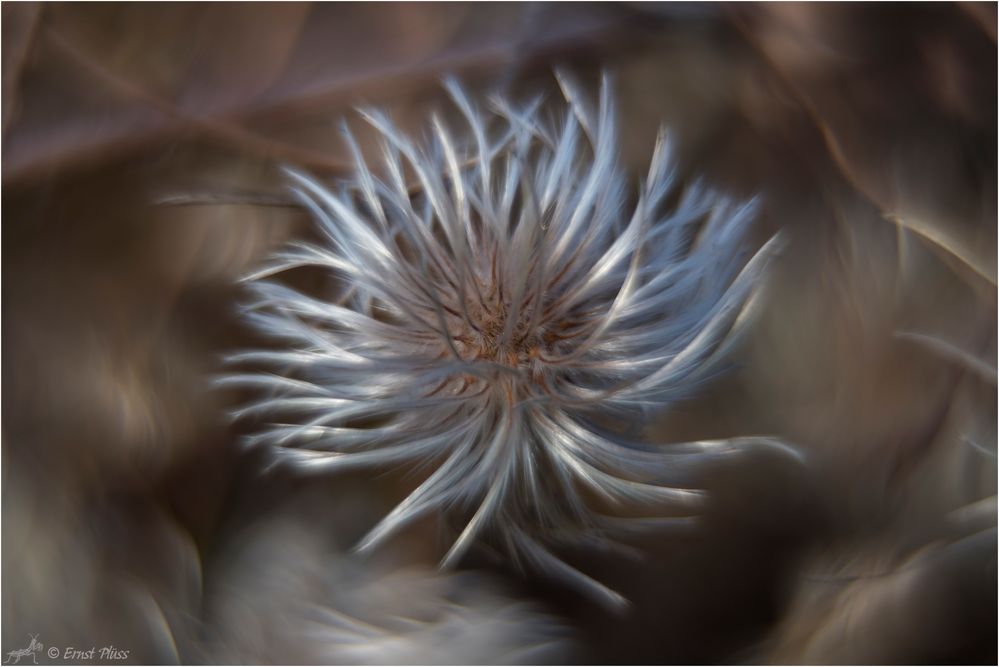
x=142 y=146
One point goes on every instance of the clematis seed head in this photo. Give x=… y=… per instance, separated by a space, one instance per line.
x=507 y=318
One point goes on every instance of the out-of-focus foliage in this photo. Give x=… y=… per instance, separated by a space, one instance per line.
x=141 y=146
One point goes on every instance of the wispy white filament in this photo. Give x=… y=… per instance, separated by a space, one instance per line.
x=496 y=317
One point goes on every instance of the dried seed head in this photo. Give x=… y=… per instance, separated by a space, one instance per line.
x=494 y=315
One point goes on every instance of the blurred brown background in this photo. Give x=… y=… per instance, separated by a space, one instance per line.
x=141 y=154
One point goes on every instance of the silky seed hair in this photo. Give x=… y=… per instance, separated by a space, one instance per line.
x=506 y=321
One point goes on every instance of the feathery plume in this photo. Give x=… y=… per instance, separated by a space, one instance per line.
x=500 y=320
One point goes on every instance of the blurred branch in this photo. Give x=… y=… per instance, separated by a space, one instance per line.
x=216 y=127
x=952 y=353
x=227 y=199
x=229 y=122
x=952 y=248
x=848 y=167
